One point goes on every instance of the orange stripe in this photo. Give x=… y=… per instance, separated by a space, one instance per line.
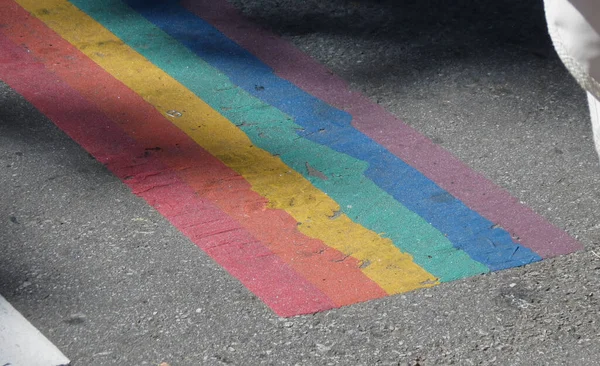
x=338 y=276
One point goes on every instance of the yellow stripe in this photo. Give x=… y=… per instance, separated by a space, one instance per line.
x=393 y=270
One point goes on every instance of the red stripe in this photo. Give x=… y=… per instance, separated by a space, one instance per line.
x=222 y=238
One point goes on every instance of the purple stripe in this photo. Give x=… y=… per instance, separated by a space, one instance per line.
x=474 y=190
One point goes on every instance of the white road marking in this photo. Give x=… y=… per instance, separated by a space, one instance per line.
x=21 y=344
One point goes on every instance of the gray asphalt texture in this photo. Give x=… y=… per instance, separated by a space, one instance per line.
x=110 y=282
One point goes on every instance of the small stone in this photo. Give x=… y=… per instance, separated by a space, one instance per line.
x=76 y=319
x=174 y=113
x=323 y=348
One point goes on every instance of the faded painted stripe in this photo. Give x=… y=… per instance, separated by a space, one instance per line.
x=327 y=269
x=476 y=191
x=222 y=238
x=276 y=132
x=392 y=270
x=321 y=123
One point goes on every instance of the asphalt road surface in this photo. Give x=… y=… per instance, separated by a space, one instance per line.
x=111 y=282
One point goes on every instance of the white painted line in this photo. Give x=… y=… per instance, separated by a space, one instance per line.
x=21 y=344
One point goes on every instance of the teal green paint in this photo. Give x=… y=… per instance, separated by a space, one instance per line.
x=274 y=131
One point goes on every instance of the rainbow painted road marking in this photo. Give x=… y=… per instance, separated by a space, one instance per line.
x=305 y=191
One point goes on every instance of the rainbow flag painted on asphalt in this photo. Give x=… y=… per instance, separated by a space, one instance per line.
x=307 y=192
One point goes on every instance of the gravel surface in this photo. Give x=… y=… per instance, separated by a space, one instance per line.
x=110 y=282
